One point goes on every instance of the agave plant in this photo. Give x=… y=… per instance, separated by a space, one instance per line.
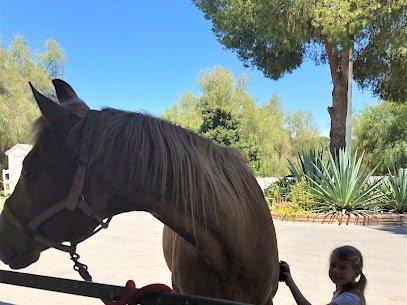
x=342 y=186
x=397 y=195
x=309 y=163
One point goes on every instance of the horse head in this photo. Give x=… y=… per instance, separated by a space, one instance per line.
x=48 y=207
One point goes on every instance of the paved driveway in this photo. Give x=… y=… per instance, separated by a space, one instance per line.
x=131 y=248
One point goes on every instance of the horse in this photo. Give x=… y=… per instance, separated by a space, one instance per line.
x=87 y=166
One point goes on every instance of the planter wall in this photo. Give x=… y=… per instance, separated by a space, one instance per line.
x=377 y=219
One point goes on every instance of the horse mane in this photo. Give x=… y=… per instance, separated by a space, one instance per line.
x=170 y=163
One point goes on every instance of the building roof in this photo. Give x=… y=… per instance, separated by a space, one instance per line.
x=19 y=149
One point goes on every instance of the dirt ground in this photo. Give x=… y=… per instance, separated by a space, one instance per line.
x=131 y=249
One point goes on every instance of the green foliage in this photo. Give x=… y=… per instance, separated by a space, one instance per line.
x=222 y=126
x=397 y=196
x=185 y=112
x=17 y=107
x=302 y=132
x=52 y=59
x=264 y=125
x=261 y=130
x=381 y=64
x=381 y=132
x=310 y=162
x=264 y=132
x=244 y=26
x=218 y=87
x=300 y=194
x=272 y=194
x=278 y=191
x=288 y=210
x=342 y=186
x=276 y=36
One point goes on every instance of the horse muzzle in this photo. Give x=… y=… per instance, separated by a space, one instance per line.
x=16 y=250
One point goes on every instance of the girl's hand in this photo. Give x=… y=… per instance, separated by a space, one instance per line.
x=285 y=273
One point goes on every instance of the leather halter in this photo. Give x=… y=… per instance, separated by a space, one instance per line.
x=74 y=200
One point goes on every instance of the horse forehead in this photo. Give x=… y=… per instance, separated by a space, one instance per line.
x=46 y=149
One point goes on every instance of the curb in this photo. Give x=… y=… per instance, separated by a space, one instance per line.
x=376 y=219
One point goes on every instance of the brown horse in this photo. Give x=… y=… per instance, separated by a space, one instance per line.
x=87 y=166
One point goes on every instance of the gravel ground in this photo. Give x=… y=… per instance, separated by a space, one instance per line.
x=131 y=249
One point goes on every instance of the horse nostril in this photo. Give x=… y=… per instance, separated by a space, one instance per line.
x=6 y=256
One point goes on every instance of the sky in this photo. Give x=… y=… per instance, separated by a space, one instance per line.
x=141 y=55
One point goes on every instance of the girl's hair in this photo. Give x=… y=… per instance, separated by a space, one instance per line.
x=354 y=257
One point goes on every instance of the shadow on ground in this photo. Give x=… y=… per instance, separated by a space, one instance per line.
x=401 y=230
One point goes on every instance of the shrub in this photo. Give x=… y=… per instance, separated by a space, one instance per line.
x=287 y=210
x=279 y=190
x=301 y=194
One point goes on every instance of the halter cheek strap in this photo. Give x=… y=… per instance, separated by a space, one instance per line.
x=74 y=200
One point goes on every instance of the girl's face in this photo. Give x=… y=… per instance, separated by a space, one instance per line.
x=341 y=272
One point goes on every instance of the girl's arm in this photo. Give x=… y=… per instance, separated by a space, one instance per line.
x=295 y=291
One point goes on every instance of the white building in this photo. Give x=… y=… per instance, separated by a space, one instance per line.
x=15 y=156
x=265 y=182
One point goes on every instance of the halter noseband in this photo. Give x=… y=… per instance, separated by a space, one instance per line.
x=74 y=200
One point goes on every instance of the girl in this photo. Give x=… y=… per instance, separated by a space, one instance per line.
x=346 y=265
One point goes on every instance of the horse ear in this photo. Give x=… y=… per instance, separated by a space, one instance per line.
x=63 y=90
x=69 y=99
x=57 y=117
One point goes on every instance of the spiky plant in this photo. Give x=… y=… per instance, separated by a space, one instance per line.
x=309 y=162
x=342 y=186
x=397 y=195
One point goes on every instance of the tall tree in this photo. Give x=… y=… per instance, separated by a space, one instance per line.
x=276 y=36
x=262 y=132
x=303 y=133
x=381 y=132
x=261 y=125
x=185 y=112
x=224 y=127
x=220 y=125
x=381 y=62
x=18 y=110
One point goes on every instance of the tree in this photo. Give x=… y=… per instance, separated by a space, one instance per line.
x=261 y=125
x=222 y=104
x=219 y=125
x=264 y=125
x=382 y=64
x=262 y=134
x=381 y=132
x=52 y=59
x=185 y=112
x=276 y=36
x=303 y=133
x=224 y=127
x=18 y=110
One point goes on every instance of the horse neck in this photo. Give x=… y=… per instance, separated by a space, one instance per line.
x=198 y=233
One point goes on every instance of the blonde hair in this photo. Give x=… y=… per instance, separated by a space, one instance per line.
x=170 y=162
x=353 y=256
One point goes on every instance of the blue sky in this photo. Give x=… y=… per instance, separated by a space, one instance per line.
x=141 y=55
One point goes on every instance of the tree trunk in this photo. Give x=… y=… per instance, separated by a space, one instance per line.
x=338 y=113
x=339 y=66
